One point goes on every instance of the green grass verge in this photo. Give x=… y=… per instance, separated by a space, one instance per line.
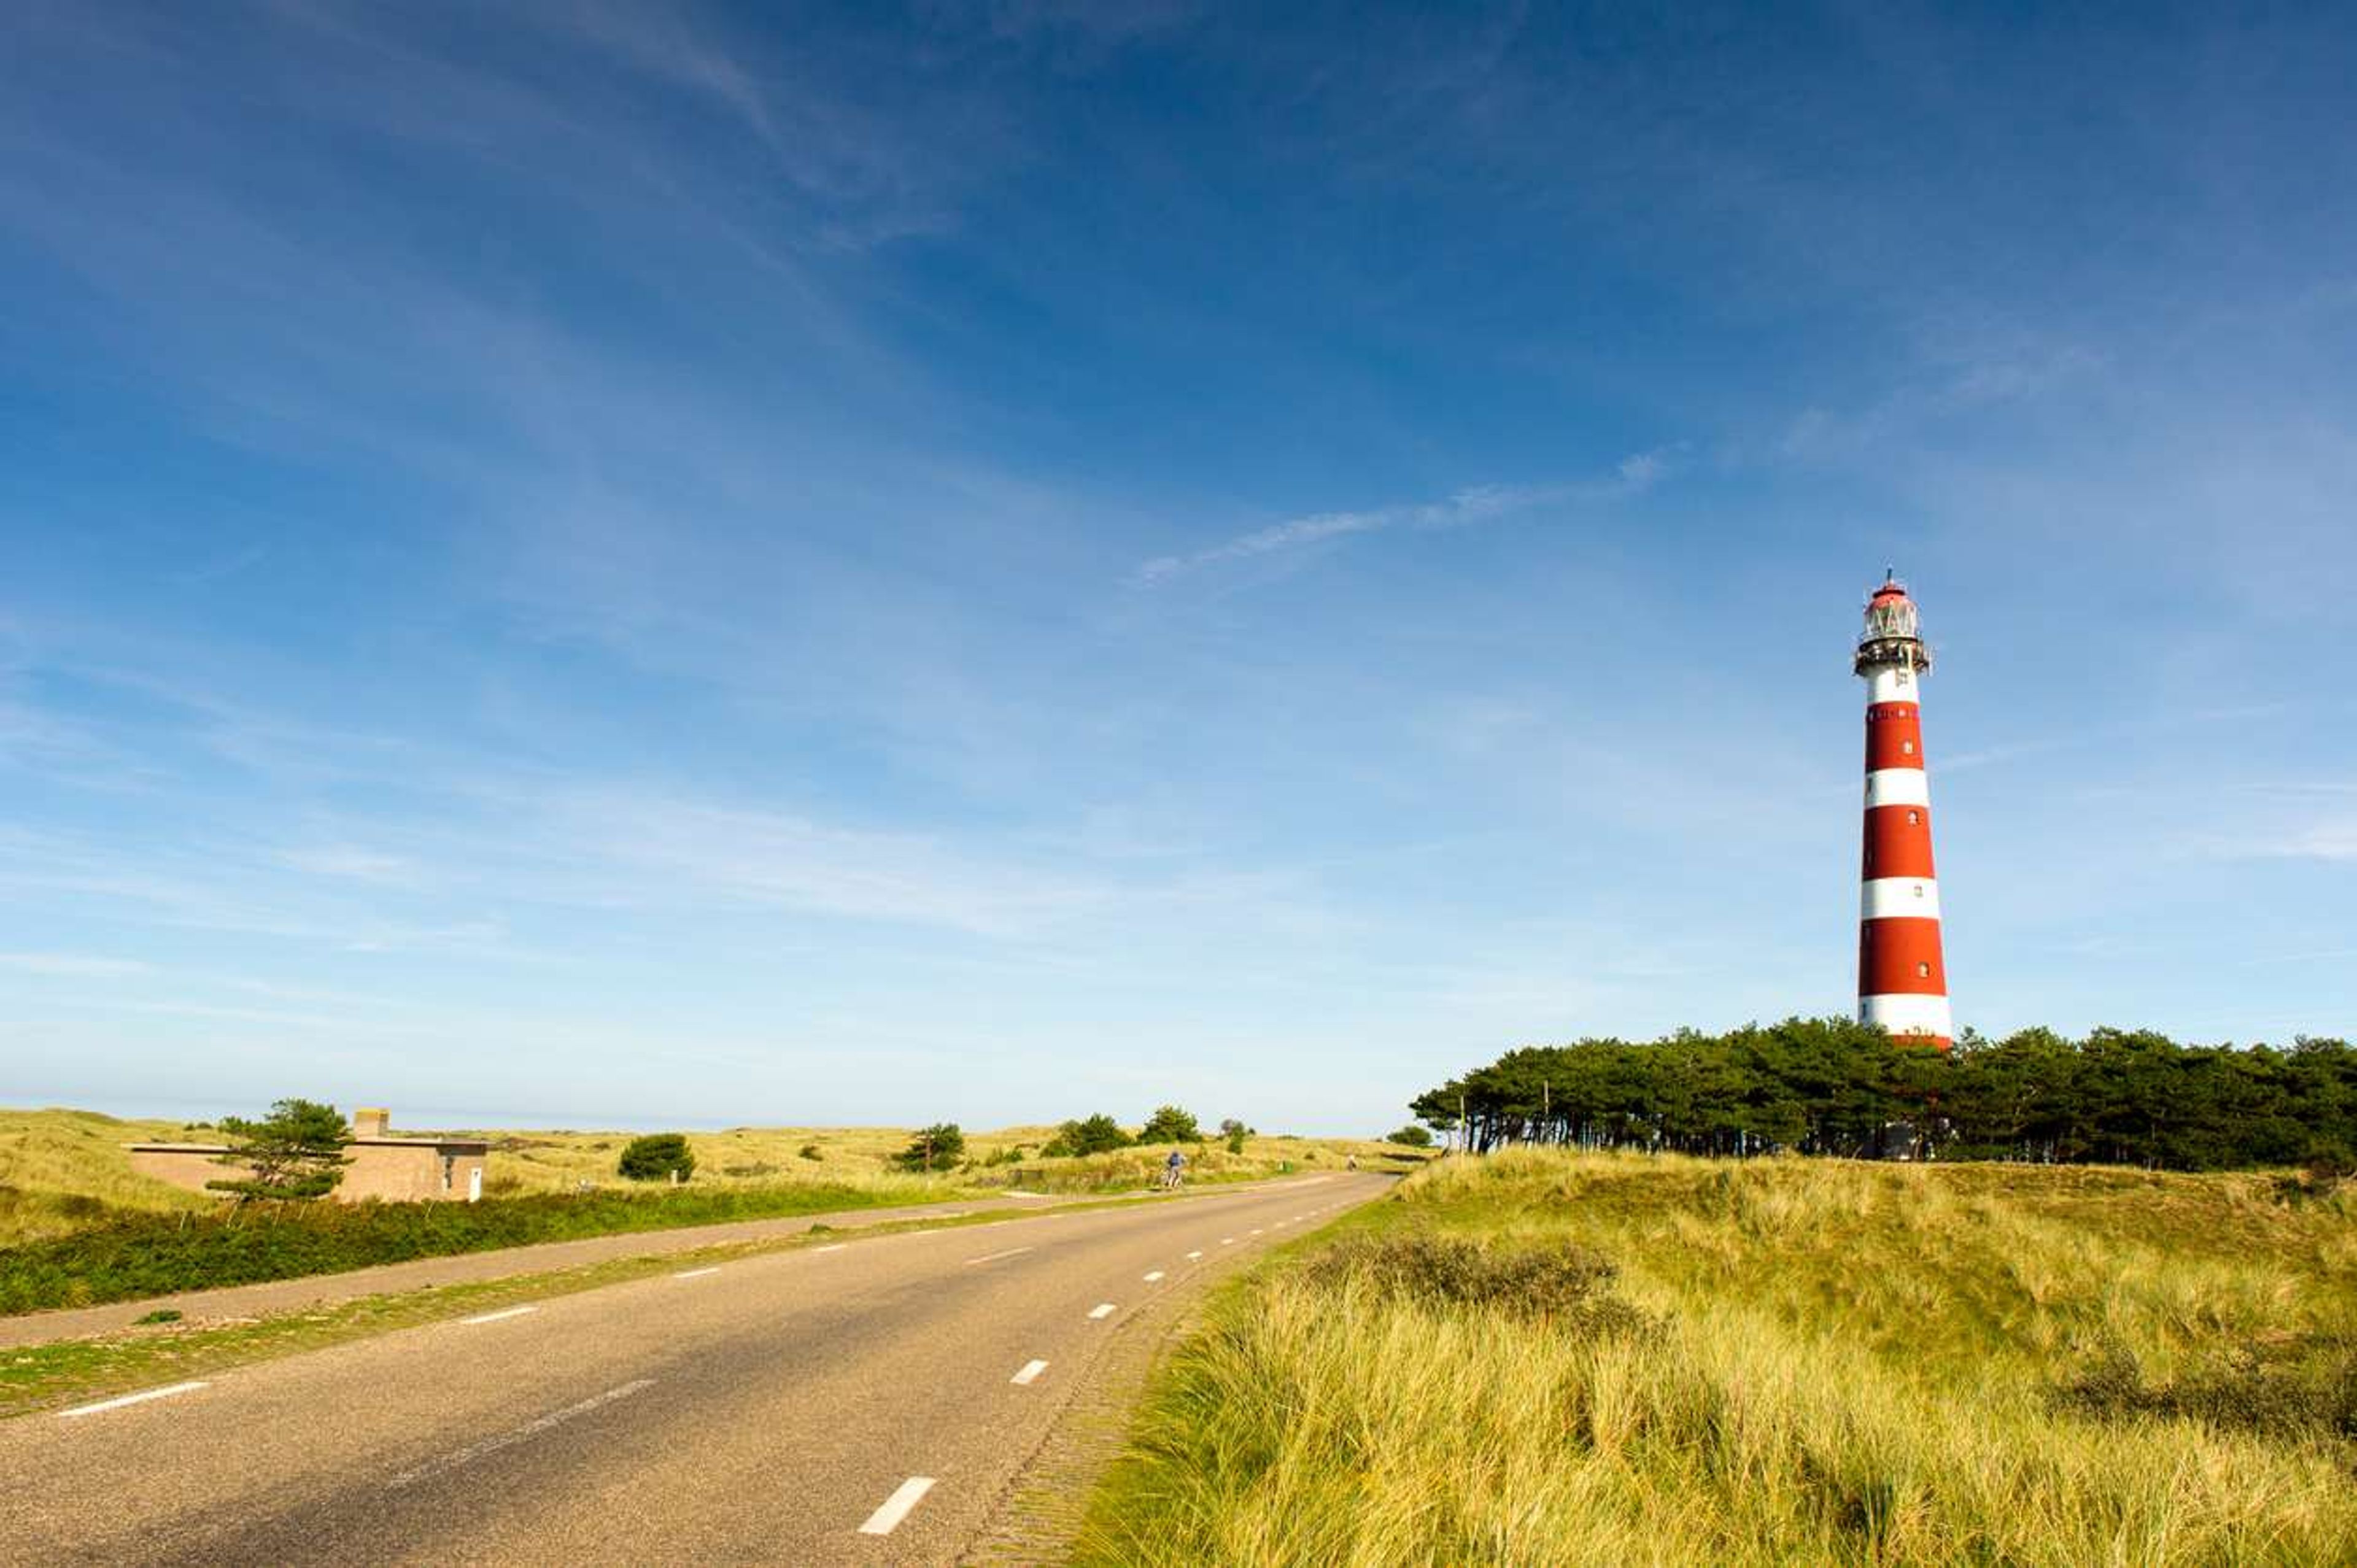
x=1545 y=1357
x=134 y=1256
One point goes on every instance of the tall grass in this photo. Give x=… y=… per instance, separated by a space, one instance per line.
x=1843 y=1364
x=63 y=1171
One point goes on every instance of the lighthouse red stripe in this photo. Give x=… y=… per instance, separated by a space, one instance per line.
x=1894 y=736
x=1898 y=842
x=1900 y=956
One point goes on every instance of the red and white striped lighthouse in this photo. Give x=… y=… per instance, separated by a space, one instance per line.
x=1902 y=984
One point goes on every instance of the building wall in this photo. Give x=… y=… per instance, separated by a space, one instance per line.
x=190 y=1168
x=394 y=1172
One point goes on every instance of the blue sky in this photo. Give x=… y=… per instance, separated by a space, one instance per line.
x=614 y=564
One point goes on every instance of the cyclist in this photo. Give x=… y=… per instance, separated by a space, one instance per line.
x=1173 y=1171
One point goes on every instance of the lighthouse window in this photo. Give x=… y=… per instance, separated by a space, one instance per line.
x=1914 y=818
x=1906 y=749
x=1923 y=970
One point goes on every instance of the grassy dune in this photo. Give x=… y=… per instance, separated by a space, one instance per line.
x=860 y=1156
x=1819 y=1363
x=61 y=1171
x=78 y=1227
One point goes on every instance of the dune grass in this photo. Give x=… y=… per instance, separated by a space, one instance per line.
x=63 y=1171
x=1804 y=1363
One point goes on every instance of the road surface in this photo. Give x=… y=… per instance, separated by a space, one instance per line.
x=869 y=1401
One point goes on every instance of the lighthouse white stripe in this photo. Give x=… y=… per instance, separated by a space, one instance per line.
x=1898 y=786
x=1903 y=1014
x=1891 y=684
x=1898 y=897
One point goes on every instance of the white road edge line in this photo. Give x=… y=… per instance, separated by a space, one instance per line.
x=832 y=1247
x=1029 y=1374
x=697 y=1274
x=503 y=1313
x=1103 y=1309
x=994 y=1256
x=142 y=1397
x=886 y=1518
x=1154 y=1277
x=475 y=1451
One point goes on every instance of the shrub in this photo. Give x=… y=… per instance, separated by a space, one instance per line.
x=2295 y=1386
x=1098 y=1134
x=934 y=1148
x=161 y=1315
x=1235 y=1133
x=1563 y=1283
x=1169 y=1125
x=1010 y=1155
x=752 y=1168
x=1413 y=1136
x=655 y=1156
x=810 y=1152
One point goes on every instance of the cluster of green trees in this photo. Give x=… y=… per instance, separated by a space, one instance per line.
x=1830 y=1086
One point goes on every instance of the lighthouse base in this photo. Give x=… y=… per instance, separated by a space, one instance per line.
x=1910 y=1016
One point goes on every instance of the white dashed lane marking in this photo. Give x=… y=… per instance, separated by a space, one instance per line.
x=166 y=1392
x=1029 y=1374
x=832 y=1247
x=1194 y=1255
x=1154 y=1277
x=1103 y=1309
x=500 y=1316
x=697 y=1274
x=994 y=1256
x=475 y=1451
x=886 y=1518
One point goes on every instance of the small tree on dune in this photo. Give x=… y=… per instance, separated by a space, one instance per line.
x=657 y=1156
x=1235 y=1133
x=295 y=1152
x=934 y=1148
x=1169 y=1125
x=1096 y=1136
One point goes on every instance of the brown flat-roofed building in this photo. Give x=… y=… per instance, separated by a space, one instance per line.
x=396 y=1170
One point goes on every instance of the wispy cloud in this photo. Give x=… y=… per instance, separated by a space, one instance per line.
x=1480 y=503
x=71 y=966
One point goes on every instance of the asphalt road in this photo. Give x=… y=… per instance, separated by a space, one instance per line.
x=865 y=1402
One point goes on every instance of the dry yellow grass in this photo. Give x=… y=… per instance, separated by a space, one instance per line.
x=1854 y=1364
x=59 y=1170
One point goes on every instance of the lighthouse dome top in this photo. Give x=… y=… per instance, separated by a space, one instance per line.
x=1893 y=633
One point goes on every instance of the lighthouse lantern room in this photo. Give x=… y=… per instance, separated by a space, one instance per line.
x=1902 y=985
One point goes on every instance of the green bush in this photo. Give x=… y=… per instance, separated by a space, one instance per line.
x=1169 y=1125
x=1098 y=1134
x=1412 y=1136
x=1235 y=1133
x=656 y=1157
x=809 y=1152
x=135 y=1255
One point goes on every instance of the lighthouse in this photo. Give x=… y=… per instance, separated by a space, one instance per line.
x=1902 y=986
